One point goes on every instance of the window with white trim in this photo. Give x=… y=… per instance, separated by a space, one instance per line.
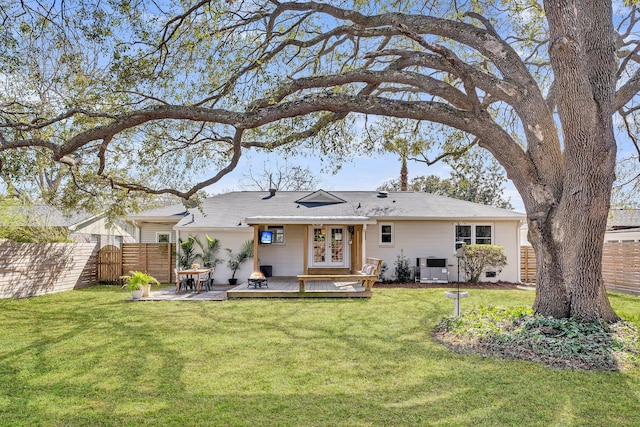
x=386 y=234
x=163 y=237
x=474 y=234
x=278 y=234
x=483 y=234
x=463 y=234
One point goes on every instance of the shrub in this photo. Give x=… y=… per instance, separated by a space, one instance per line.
x=563 y=343
x=403 y=268
x=478 y=257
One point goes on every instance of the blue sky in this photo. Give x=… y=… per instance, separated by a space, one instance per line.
x=357 y=174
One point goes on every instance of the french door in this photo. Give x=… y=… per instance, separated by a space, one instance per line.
x=328 y=246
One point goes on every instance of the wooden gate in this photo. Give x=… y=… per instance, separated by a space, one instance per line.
x=109 y=265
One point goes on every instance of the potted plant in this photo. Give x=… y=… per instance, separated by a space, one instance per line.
x=238 y=258
x=139 y=283
x=209 y=250
x=187 y=251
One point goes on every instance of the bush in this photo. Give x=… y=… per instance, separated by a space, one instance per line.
x=478 y=257
x=403 y=269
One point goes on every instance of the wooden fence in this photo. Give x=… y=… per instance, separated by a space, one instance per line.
x=527 y=264
x=620 y=266
x=156 y=259
x=29 y=269
x=109 y=265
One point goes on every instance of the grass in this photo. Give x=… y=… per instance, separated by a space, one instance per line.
x=91 y=358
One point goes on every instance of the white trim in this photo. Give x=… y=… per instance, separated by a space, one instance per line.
x=284 y=234
x=310 y=220
x=473 y=231
x=158 y=233
x=393 y=240
x=346 y=247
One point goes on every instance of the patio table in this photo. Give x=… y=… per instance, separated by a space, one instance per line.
x=191 y=272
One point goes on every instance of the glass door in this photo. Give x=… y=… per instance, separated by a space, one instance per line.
x=328 y=246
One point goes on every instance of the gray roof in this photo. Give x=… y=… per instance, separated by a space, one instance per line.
x=258 y=207
x=623 y=218
x=167 y=213
x=49 y=216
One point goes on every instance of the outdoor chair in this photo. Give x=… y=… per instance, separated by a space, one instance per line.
x=185 y=282
x=204 y=279
x=211 y=277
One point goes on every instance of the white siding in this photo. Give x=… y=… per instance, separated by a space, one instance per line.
x=287 y=259
x=228 y=239
x=148 y=232
x=418 y=239
x=106 y=232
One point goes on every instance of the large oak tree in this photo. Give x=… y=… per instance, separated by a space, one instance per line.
x=147 y=96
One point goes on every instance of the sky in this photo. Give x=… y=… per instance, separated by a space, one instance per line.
x=359 y=174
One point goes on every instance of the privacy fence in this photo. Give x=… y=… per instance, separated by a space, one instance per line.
x=620 y=266
x=28 y=269
x=156 y=259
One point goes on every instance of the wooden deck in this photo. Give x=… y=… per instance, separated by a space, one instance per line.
x=287 y=287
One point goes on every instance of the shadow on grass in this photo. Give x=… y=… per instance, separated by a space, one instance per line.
x=102 y=361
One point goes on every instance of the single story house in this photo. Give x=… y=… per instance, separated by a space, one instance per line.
x=81 y=227
x=623 y=225
x=298 y=232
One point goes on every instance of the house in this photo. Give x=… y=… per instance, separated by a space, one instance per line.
x=81 y=227
x=332 y=232
x=623 y=225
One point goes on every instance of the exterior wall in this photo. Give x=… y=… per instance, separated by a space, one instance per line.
x=148 y=232
x=418 y=239
x=106 y=232
x=632 y=235
x=287 y=259
x=228 y=239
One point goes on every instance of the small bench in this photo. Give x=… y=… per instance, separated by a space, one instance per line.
x=367 y=276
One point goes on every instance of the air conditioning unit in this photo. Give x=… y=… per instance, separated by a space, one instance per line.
x=432 y=270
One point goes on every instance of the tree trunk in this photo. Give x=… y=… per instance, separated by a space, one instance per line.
x=568 y=240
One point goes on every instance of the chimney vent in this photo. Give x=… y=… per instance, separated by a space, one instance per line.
x=272 y=192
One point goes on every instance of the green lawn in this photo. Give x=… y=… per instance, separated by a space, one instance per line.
x=91 y=358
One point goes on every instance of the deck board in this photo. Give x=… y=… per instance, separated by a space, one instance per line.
x=287 y=287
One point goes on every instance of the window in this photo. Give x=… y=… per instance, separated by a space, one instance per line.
x=117 y=241
x=474 y=234
x=463 y=234
x=386 y=234
x=483 y=234
x=278 y=234
x=163 y=237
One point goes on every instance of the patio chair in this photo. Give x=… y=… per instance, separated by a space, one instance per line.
x=185 y=282
x=211 y=270
x=204 y=279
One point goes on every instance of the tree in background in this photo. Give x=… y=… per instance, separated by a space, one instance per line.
x=281 y=178
x=167 y=98
x=475 y=177
x=626 y=188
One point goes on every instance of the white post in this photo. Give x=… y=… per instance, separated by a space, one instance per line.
x=456 y=300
